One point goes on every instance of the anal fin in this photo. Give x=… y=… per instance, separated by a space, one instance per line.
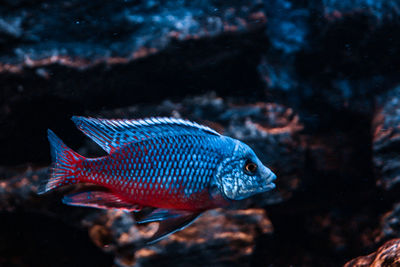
x=173 y=224
x=100 y=200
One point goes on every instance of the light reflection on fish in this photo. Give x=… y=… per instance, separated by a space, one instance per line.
x=177 y=167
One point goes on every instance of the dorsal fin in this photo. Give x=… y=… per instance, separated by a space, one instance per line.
x=113 y=134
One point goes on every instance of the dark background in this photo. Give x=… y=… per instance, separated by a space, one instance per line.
x=329 y=71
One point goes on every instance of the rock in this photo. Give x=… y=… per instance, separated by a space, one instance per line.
x=389 y=224
x=323 y=55
x=386 y=139
x=385 y=143
x=117 y=31
x=387 y=255
x=379 y=8
x=287 y=25
x=217 y=238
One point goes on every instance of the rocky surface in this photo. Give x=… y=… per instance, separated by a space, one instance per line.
x=387 y=255
x=386 y=132
x=390 y=224
x=312 y=86
x=386 y=140
x=232 y=233
x=79 y=34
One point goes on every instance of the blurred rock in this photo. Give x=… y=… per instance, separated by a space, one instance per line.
x=330 y=55
x=386 y=142
x=121 y=30
x=387 y=255
x=287 y=25
x=389 y=224
x=217 y=238
x=379 y=8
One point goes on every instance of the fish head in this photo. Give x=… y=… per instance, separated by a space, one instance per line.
x=242 y=174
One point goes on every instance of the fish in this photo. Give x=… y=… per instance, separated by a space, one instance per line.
x=165 y=170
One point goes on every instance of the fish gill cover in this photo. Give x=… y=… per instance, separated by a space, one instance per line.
x=310 y=86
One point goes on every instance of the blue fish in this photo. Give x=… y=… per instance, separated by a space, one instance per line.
x=176 y=167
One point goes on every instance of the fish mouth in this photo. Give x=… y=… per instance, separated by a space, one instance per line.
x=245 y=193
x=241 y=191
x=269 y=185
x=264 y=187
x=271 y=177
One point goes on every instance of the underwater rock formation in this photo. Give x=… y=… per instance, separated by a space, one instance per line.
x=387 y=255
x=390 y=224
x=387 y=139
x=112 y=32
x=217 y=238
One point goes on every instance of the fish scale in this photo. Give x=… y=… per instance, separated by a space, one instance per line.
x=178 y=169
x=175 y=167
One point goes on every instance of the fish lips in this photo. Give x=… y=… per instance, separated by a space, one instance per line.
x=269 y=185
x=245 y=190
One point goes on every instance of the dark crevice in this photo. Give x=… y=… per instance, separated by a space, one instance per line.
x=28 y=239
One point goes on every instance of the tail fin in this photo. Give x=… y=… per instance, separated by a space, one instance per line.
x=62 y=170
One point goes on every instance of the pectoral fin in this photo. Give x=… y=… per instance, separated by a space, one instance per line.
x=173 y=224
x=99 y=199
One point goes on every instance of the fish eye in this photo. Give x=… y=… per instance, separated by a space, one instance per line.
x=250 y=167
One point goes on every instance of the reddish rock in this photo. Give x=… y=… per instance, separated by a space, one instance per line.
x=111 y=32
x=389 y=226
x=388 y=255
x=217 y=237
x=386 y=139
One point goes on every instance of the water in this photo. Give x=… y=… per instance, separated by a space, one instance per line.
x=311 y=86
